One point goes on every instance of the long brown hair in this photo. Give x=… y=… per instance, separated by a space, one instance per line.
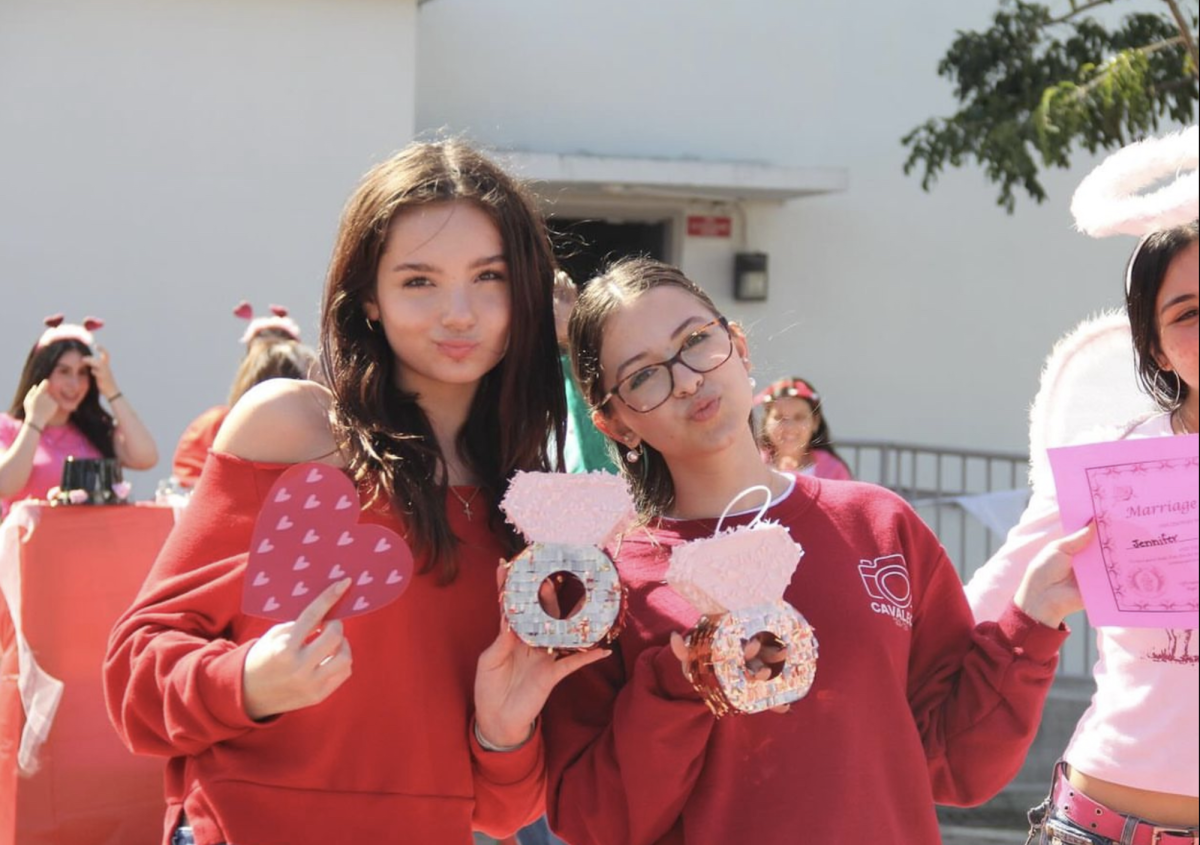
x=1146 y=272
x=520 y=405
x=90 y=418
x=621 y=283
x=272 y=357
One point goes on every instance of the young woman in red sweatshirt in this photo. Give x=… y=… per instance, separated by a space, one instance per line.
x=415 y=723
x=912 y=703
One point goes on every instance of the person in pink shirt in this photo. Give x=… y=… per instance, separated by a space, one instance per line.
x=56 y=413
x=794 y=433
x=1131 y=771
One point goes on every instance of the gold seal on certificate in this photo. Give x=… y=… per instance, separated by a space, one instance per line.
x=562 y=592
x=737 y=580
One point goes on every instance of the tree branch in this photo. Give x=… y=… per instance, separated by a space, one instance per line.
x=1079 y=8
x=1186 y=32
x=1085 y=90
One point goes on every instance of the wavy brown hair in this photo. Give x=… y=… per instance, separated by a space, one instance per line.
x=621 y=283
x=1146 y=272
x=90 y=417
x=520 y=406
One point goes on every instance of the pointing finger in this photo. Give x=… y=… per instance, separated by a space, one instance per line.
x=311 y=616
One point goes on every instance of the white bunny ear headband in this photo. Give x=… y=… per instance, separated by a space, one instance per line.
x=1110 y=200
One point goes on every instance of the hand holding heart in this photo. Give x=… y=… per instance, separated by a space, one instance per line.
x=308 y=536
x=298 y=664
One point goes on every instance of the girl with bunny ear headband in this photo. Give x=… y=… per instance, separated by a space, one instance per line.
x=57 y=412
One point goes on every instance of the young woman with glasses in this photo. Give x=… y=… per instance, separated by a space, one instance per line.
x=912 y=703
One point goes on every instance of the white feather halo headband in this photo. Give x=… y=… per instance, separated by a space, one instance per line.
x=1108 y=201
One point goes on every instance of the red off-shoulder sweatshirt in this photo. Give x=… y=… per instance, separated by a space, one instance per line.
x=389 y=757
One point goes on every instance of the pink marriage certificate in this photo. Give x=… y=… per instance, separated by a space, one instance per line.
x=1143 y=571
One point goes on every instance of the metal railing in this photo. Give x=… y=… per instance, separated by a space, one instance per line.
x=969 y=499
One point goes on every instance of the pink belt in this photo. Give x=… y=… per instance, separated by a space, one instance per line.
x=1098 y=819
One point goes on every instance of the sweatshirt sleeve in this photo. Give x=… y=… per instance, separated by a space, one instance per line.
x=976 y=692
x=172 y=672
x=994 y=584
x=609 y=779
x=510 y=786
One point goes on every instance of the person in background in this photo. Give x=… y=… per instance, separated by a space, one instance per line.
x=794 y=434
x=586 y=449
x=1133 y=763
x=57 y=413
x=273 y=350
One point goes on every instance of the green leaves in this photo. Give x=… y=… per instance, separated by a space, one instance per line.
x=1034 y=88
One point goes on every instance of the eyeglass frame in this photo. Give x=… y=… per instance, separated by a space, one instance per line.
x=670 y=363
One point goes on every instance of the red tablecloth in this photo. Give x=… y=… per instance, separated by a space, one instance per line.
x=79 y=569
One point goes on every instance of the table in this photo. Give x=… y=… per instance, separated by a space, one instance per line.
x=66 y=574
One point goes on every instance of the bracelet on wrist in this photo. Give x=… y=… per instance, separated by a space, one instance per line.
x=36 y=428
x=115 y=397
x=503 y=749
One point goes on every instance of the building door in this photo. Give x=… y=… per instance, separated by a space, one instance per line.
x=584 y=247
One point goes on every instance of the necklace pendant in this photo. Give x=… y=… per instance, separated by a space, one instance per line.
x=467 y=510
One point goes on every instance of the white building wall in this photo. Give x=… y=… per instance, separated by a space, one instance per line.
x=922 y=317
x=162 y=159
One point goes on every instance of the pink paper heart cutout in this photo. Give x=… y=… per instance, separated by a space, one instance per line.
x=308 y=537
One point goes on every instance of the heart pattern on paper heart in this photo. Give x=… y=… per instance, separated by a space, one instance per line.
x=308 y=536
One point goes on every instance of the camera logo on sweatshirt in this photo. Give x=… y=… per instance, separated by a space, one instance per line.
x=887 y=583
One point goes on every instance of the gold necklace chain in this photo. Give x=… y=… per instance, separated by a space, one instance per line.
x=466 y=503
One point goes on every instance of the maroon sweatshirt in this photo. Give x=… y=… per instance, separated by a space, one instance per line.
x=389 y=757
x=912 y=704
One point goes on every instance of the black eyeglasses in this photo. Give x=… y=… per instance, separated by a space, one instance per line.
x=702 y=351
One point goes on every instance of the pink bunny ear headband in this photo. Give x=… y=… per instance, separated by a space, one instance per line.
x=58 y=330
x=1108 y=201
x=279 y=321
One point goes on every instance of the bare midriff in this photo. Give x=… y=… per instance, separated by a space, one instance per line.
x=1162 y=808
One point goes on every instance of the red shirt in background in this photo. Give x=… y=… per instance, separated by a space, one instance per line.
x=197 y=439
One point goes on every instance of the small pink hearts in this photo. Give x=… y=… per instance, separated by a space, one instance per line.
x=309 y=524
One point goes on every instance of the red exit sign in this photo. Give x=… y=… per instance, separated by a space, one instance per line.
x=709 y=226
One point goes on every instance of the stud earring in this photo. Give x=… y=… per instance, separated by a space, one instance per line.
x=633 y=455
